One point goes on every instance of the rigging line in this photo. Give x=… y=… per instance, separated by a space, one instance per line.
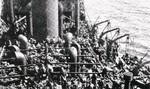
x=114 y=35
x=134 y=47
x=119 y=43
x=88 y=17
x=3 y=22
x=132 y=41
x=96 y=21
x=127 y=41
x=117 y=32
x=144 y=56
x=109 y=27
x=87 y=13
x=108 y=24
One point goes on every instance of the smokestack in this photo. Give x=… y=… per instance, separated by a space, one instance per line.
x=45 y=19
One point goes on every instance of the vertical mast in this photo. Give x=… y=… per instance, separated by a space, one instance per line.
x=12 y=11
x=60 y=17
x=12 y=19
x=77 y=15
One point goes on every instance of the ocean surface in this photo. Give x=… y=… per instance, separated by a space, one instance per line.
x=131 y=16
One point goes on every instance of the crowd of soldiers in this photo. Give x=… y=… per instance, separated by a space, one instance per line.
x=70 y=63
x=82 y=61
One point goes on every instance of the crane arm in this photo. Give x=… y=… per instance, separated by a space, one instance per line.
x=103 y=33
x=118 y=38
x=100 y=23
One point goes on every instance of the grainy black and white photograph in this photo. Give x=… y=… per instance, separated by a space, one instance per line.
x=74 y=44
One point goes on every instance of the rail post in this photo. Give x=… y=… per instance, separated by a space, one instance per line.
x=128 y=76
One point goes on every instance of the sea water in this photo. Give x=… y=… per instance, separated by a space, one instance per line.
x=131 y=16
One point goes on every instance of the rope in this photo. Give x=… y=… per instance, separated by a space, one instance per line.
x=87 y=14
x=115 y=34
x=109 y=27
x=127 y=45
x=108 y=24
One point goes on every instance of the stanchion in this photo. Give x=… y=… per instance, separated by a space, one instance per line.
x=128 y=76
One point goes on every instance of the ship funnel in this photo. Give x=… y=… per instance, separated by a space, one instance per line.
x=45 y=19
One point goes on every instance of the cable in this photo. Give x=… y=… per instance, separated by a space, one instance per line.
x=87 y=14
